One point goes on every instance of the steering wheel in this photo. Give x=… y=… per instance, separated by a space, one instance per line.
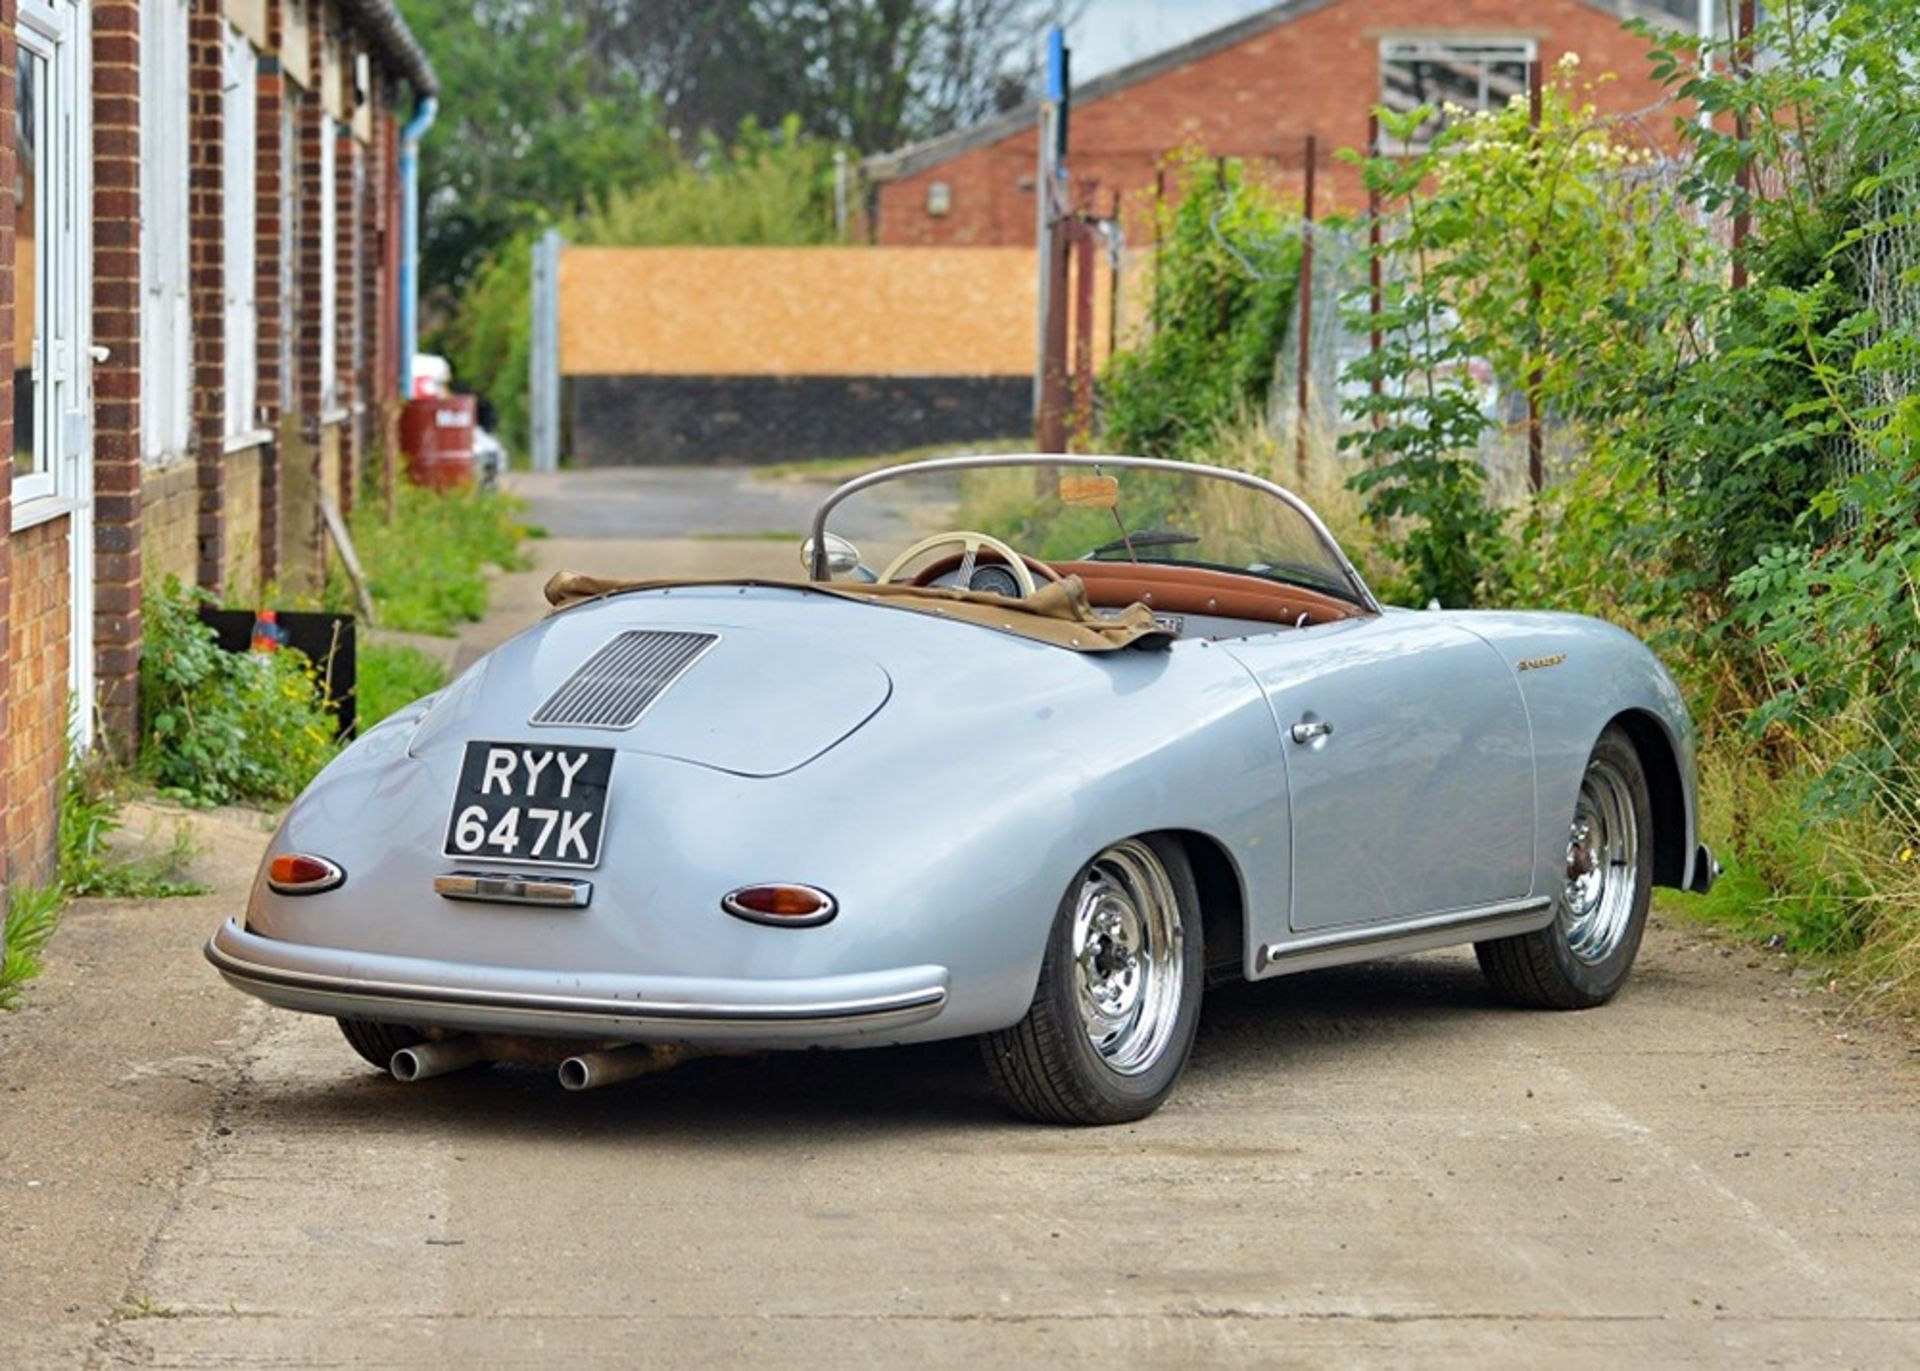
x=970 y=544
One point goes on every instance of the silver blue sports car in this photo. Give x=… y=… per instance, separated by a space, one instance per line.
x=1088 y=735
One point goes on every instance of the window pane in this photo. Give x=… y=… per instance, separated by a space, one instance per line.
x=1474 y=75
x=29 y=307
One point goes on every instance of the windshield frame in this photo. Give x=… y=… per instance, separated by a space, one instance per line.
x=817 y=569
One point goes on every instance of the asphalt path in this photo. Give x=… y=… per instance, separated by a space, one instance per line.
x=1375 y=1165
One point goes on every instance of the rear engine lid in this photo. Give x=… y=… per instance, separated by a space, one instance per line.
x=751 y=701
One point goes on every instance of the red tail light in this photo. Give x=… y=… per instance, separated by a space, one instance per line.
x=296 y=873
x=787 y=906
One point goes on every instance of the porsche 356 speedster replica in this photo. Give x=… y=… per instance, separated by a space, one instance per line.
x=1113 y=730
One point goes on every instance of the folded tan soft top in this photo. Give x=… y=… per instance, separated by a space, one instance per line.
x=1057 y=613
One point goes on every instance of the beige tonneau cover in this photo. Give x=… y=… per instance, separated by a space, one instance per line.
x=1057 y=613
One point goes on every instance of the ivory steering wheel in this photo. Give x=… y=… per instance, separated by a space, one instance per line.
x=970 y=543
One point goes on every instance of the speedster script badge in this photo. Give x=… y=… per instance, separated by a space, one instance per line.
x=525 y=802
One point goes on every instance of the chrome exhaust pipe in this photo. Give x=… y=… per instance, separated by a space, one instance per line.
x=437 y=1058
x=591 y=1070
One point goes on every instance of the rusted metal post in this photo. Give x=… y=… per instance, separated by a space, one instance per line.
x=1742 y=131
x=1113 y=282
x=1306 y=319
x=1159 y=211
x=1053 y=377
x=1375 y=302
x=1536 y=434
x=1084 y=237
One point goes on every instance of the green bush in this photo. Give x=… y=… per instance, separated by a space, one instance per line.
x=391 y=677
x=90 y=802
x=224 y=726
x=1748 y=491
x=425 y=566
x=1226 y=272
x=31 y=916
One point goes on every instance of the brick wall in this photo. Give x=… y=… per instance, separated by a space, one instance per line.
x=206 y=228
x=346 y=306
x=41 y=632
x=240 y=579
x=302 y=563
x=1319 y=73
x=116 y=381
x=270 y=225
x=7 y=68
x=170 y=522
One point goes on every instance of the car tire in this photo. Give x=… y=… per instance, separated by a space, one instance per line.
x=1118 y=1000
x=1582 y=958
x=377 y=1042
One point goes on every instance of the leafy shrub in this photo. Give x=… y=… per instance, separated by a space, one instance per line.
x=30 y=919
x=1226 y=273
x=224 y=726
x=90 y=803
x=392 y=676
x=425 y=566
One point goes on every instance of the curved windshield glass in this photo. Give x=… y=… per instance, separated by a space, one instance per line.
x=1061 y=513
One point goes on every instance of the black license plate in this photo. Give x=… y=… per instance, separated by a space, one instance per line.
x=531 y=803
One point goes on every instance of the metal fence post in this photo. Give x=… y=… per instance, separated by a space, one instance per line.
x=1305 y=379
x=1536 y=432
x=543 y=384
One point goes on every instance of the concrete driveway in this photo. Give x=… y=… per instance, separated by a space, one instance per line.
x=1369 y=1166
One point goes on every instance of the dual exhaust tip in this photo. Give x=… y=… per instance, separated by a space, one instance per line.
x=584 y=1071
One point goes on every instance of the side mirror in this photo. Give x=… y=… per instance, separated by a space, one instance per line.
x=842 y=556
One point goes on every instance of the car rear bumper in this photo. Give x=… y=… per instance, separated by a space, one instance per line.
x=801 y=1012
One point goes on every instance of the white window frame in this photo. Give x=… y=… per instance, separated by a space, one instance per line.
x=1481 y=51
x=239 y=181
x=166 y=299
x=62 y=270
x=329 y=263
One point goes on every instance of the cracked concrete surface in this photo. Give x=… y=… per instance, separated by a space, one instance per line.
x=1370 y=1165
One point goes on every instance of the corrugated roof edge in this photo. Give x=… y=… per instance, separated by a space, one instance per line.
x=916 y=157
x=381 y=20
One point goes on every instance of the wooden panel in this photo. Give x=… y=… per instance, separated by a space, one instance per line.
x=332 y=79
x=250 y=17
x=800 y=311
x=296 y=48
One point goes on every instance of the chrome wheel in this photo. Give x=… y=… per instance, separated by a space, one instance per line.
x=1128 y=945
x=1603 y=864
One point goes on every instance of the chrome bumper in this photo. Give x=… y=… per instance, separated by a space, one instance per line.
x=491 y=999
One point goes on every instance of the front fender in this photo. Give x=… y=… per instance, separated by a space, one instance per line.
x=1577 y=675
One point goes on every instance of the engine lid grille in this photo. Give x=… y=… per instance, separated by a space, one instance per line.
x=617 y=684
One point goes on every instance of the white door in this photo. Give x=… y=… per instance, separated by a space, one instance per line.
x=53 y=401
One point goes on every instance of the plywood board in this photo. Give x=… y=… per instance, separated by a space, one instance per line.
x=828 y=311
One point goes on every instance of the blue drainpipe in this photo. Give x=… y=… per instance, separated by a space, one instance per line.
x=410 y=136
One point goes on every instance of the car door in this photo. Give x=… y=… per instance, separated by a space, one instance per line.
x=1409 y=768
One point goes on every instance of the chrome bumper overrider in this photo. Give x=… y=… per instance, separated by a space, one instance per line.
x=1705 y=870
x=482 y=999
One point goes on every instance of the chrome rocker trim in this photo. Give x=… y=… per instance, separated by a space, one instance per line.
x=1421 y=934
x=830 y=1013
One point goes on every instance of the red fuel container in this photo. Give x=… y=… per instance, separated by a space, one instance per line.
x=436 y=434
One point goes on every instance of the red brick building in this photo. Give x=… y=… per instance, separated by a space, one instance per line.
x=199 y=261
x=1255 y=89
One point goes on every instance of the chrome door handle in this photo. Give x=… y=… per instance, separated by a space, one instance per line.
x=1307 y=732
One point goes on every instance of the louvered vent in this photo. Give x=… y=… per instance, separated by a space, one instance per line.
x=616 y=685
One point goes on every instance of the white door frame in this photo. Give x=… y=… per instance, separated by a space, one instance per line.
x=55 y=31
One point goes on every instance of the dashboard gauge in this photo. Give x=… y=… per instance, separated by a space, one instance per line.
x=995 y=580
